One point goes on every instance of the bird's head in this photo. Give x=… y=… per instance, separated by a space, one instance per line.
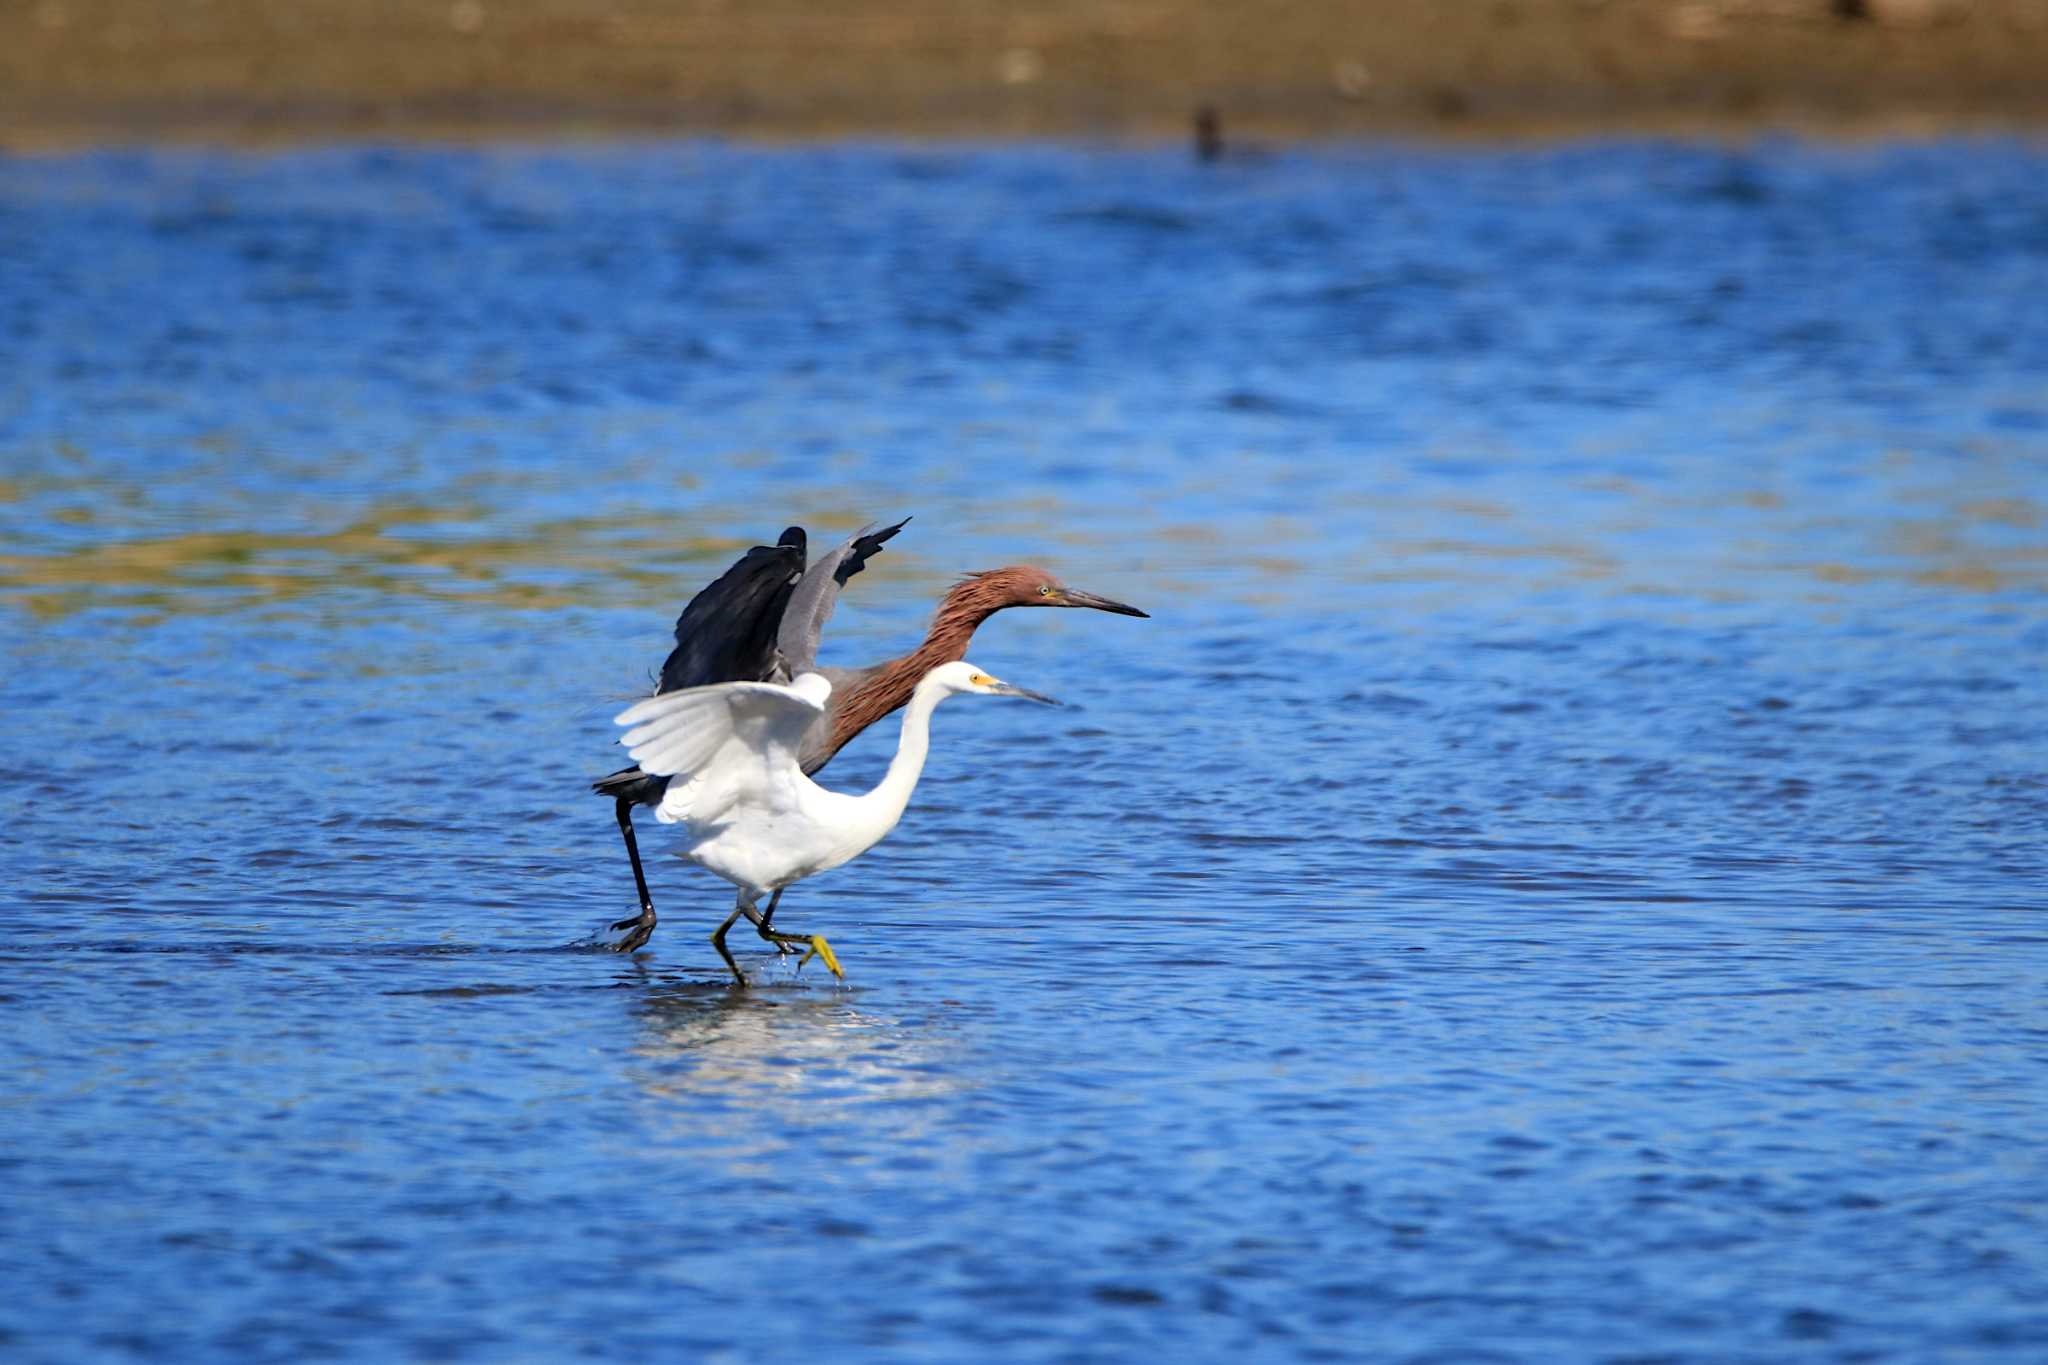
x=963 y=677
x=1024 y=585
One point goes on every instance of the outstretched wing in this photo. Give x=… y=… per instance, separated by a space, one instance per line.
x=722 y=743
x=810 y=606
x=728 y=632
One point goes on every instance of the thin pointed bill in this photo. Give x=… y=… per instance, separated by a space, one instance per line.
x=1003 y=689
x=1074 y=597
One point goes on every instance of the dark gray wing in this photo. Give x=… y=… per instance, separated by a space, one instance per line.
x=725 y=634
x=728 y=632
x=733 y=631
x=810 y=606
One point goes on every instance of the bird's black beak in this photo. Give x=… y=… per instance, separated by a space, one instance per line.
x=1003 y=689
x=1073 y=597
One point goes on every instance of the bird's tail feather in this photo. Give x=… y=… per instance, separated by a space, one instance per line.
x=630 y=784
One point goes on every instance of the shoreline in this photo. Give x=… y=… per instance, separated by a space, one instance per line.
x=265 y=132
x=77 y=74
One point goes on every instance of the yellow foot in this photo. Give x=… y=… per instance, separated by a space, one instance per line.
x=822 y=949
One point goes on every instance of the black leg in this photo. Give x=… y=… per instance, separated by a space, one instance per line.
x=762 y=924
x=642 y=925
x=718 y=942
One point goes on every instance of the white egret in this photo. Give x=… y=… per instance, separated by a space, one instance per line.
x=731 y=754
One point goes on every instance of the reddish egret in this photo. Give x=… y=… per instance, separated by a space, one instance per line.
x=731 y=753
x=761 y=622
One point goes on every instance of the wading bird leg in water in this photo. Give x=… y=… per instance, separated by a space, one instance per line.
x=642 y=924
x=816 y=942
x=718 y=942
x=768 y=918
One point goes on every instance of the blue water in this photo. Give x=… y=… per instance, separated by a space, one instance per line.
x=1560 y=876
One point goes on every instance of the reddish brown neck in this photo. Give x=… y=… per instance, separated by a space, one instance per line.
x=964 y=607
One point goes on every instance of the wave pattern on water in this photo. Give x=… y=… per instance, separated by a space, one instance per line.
x=1556 y=879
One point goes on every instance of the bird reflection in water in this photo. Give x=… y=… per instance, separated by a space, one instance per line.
x=749 y=1072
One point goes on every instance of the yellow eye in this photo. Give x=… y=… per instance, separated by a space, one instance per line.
x=1045 y=590
x=981 y=680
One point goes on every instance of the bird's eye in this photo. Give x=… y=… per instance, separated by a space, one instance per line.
x=1045 y=590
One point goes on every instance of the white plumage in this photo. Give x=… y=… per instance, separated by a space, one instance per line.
x=731 y=737
x=738 y=790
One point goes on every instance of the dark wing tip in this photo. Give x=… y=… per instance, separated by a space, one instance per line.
x=872 y=541
x=865 y=546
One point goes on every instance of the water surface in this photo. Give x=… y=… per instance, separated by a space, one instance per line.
x=1559 y=877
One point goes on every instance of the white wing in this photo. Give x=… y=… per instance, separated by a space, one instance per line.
x=722 y=743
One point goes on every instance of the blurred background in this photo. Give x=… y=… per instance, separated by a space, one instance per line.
x=1557 y=878
x=73 y=70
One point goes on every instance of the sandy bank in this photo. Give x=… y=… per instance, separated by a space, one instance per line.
x=85 y=71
